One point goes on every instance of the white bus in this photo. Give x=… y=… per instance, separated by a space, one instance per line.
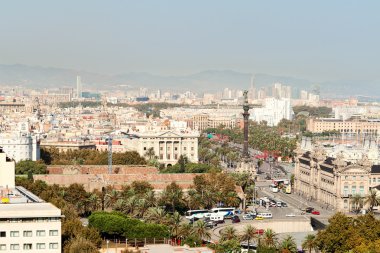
x=225 y=211
x=200 y=214
x=273 y=188
x=265 y=215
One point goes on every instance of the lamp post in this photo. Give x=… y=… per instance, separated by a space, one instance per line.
x=108 y=241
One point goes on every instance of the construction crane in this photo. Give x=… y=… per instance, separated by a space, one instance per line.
x=109 y=140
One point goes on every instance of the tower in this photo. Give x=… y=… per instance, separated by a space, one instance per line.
x=246 y=164
x=79 y=87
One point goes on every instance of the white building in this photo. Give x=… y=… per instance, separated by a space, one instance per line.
x=20 y=146
x=27 y=223
x=273 y=111
x=168 y=145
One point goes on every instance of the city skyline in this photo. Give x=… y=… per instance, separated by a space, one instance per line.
x=323 y=41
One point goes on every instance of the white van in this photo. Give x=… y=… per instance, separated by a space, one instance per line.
x=265 y=215
x=216 y=217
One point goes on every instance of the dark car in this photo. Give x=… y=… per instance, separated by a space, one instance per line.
x=211 y=224
x=219 y=221
x=284 y=204
x=192 y=220
x=235 y=219
x=309 y=209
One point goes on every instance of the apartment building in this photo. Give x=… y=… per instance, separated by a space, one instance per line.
x=27 y=223
x=333 y=181
x=20 y=146
x=355 y=126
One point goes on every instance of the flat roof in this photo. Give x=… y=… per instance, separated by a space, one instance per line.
x=21 y=203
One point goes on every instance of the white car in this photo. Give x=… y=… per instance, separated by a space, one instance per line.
x=290 y=215
x=247 y=217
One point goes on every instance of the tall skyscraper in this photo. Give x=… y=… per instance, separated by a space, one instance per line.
x=79 y=87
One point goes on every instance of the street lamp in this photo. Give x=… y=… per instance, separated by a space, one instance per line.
x=108 y=241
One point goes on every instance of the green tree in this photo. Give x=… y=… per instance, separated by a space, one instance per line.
x=249 y=234
x=28 y=166
x=288 y=245
x=150 y=153
x=269 y=238
x=80 y=245
x=228 y=233
x=200 y=229
x=309 y=243
x=372 y=199
x=173 y=196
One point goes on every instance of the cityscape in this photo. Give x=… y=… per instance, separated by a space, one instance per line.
x=142 y=127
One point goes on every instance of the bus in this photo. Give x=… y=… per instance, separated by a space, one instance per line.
x=199 y=214
x=227 y=212
x=273 y=188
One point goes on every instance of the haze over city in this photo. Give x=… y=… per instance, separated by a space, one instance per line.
x=189 y=126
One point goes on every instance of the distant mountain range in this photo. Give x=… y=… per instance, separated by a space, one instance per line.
x=205 y=81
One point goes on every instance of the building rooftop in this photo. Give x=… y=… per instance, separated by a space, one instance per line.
x=21 y=203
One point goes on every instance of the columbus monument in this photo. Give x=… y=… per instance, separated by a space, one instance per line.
x=246 y=164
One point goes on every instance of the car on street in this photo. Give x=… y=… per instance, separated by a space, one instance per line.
x=192 y=220
x=315 y=212
x=211 y=224
x=290 y=215
x=235 y=219
x=219 y=221
x=309 y=209
x=248 y=217
x=259 y=218
x=284 y=204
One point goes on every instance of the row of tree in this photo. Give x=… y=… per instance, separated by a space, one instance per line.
x=89 y=157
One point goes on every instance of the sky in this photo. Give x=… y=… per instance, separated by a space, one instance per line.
x=319 y=40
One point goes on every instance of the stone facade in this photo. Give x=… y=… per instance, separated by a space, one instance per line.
x=334 y=181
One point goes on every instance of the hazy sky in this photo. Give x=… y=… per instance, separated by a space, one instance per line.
x=322 y=40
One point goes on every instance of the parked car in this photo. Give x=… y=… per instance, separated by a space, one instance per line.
x=235 y=219
x=315 y=212
x=259 y=218
x=284 y=204
x=248 y=217
x=260 y=231
x=290 y=215
x=309 y=209
x=219 y=221
x=211 y=224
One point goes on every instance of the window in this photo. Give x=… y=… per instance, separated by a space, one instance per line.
x=144 y=148
x=345 y=192
x=3 y=247
x=28 y=233
x=15 y=246
x=15 y=234
x=361 y=177
x=53 y=245
x=53 y=232
x=40 y=233
x=3 y=234
x=374 y=180
x=184 y=148
x=346 y=177
x=353 y=189
x=353 y=177
x=362 y=190
x=41 y=246
x=27 y=246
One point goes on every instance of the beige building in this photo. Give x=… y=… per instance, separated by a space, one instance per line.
x=344 y=126
x=203 y=121
x=333 y=181
x=168 y=145
x=27 y=223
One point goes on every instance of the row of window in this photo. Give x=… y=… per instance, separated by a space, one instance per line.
x=354 y=191
x=28 y=246
x=29 y=233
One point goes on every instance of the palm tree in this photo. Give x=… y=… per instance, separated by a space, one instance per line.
x=94 y=202
x=372 y=199
x=288 y=245
x=150 y=153
x=309 y=243
x=356 y=201
x=200 y=229
x=175 y=224
x=270 y=238
x=156 y=215
x=228 y=233
x=249 y=233
x=111 y=198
